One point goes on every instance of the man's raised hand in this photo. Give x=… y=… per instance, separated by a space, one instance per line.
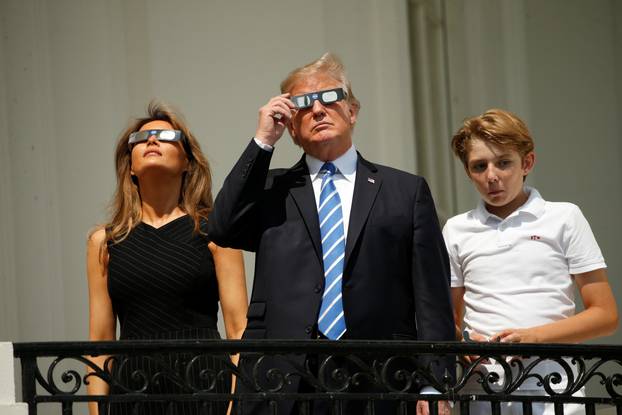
x=273 y=119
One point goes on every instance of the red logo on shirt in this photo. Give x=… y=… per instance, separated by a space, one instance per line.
x=534 y=237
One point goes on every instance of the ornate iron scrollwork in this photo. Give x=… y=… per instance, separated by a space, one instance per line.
x=338 y=369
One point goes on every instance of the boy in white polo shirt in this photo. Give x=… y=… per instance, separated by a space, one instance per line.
x=515 y=256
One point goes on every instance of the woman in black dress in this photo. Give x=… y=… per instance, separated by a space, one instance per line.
x=154 y=269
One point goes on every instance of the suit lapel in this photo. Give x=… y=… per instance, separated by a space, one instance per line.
x=302 y=193
x=366 y=187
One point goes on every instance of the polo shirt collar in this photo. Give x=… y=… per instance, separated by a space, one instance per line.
x=533 y=206
x=346 y=164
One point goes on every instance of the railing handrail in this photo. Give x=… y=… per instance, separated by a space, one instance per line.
x=56 y=348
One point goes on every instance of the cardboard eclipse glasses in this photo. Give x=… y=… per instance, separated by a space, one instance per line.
x=326 y=97
x=161 y=135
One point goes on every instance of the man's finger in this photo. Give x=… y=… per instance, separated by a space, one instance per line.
x=283 y=108
x=280 y=114
x=284 y=100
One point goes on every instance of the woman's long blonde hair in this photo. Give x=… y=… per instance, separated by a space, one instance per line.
x=196 y=190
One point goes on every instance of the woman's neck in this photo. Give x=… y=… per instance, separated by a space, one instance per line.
x=160 y=200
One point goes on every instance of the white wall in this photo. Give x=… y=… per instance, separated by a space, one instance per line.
x=74 y=72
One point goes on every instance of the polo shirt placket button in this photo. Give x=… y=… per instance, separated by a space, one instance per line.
x=502 y=236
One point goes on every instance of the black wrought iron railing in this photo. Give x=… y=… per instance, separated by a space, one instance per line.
x=362 y=377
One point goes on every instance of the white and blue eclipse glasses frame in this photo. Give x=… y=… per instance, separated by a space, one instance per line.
x=326 y=97
x=160 y=135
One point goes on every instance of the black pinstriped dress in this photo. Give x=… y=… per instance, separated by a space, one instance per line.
x=162 y=283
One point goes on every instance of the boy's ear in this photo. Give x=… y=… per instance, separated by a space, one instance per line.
x=528 y=162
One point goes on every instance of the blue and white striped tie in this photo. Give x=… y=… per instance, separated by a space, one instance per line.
x=331 y=321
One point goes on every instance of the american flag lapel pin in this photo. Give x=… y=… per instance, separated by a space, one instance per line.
x=369 y=179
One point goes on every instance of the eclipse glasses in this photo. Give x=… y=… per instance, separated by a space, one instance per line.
x=160 y=135
x=326 y=97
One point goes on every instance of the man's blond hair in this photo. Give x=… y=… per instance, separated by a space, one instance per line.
x=328 y=64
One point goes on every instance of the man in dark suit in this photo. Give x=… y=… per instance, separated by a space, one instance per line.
x=345 y=248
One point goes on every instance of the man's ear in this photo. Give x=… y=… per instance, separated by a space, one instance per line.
x=528 y=162
x=354 y=112
x=292 y=132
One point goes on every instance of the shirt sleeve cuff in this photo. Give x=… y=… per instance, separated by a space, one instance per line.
x=263 y=145
x=429 y=390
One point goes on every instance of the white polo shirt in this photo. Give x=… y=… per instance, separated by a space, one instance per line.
x=517 y=271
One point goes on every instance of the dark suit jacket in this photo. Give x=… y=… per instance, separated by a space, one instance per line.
x=396 y=271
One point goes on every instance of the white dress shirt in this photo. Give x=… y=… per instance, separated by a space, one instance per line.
x=343 y=179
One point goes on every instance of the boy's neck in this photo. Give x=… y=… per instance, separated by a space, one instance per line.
x=506 y=210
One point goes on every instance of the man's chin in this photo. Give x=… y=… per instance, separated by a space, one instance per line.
x=323 y=137
x=320 y=142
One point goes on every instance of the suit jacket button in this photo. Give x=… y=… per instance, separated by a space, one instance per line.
x=318 y=288
x=308 y=329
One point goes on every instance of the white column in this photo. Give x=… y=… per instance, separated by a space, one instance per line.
x=488 y=68
x=431 y=107
x=9 y=318
x=8 y=406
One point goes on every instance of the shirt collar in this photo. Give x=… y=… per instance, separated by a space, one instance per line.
x=346 y=164
x=533 y=206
